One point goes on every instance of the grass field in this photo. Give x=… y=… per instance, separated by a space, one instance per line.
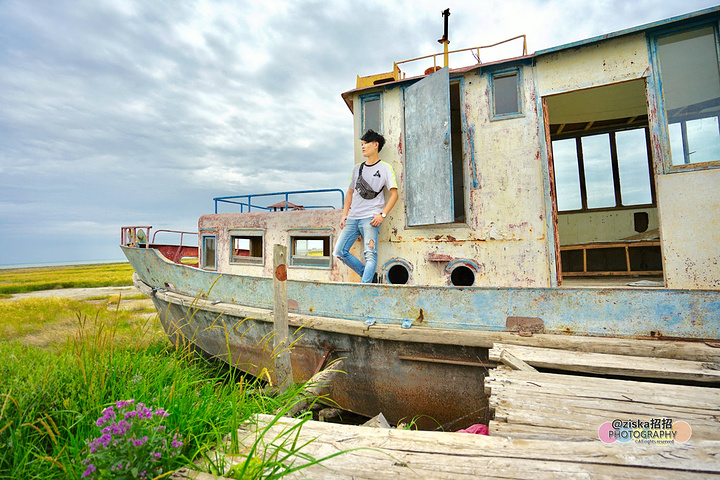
x=64 y=362
x=48 y=278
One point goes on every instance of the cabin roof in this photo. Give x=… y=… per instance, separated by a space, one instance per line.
x=629 y=31
x=347 y=96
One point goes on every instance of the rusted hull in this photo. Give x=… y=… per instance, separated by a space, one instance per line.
x=431 y=385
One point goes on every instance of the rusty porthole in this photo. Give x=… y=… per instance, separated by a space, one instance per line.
x=398 y=274
x=462 y=276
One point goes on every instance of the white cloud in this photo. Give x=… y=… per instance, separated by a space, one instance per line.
x=124 y=111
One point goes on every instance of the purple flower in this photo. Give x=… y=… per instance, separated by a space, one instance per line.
x=89 y=471
x=176 y=444
x=121 y=427
x=139 y=442
x=124 y=403
x=107 y=415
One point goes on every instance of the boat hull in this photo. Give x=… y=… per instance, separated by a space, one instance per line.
x=431 y=374
x=616 y=312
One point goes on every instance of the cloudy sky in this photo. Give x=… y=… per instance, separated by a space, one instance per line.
x=126 y=112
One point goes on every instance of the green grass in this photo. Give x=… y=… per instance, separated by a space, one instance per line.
x=63 y=361
x=49 y=278
x=50 y=322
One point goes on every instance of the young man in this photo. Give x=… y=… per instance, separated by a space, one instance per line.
x=365 y=207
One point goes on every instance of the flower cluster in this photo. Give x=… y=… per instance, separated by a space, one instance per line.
x=133 y=443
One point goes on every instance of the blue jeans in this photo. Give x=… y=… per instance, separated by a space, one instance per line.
x=353 y=229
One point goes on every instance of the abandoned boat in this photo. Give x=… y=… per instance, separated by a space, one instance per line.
x=595 y=161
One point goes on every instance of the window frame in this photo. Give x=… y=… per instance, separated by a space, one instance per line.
x=663 y=126
x=365 y=99
x=205 y=238
x=251 y=234
x=324 y=234
x=514 y=71
x=614 y=160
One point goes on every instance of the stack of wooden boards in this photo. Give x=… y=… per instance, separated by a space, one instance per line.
x=587 y=389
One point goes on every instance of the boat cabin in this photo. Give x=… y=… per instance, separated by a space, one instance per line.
x=600 y=158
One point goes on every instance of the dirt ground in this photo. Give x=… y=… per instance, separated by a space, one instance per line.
x=80 y=293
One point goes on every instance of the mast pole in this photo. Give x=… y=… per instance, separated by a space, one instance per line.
x=444 y=40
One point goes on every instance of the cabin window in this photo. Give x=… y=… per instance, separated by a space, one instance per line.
x=246 y=248
x=209 y=252
x=371 y=113
x=506 y=94
x=607 y=170
x=688 y=65
x=310 y=251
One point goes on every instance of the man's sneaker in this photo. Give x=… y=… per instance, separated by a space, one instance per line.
x=375 y=278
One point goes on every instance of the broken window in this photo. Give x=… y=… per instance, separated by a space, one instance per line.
x=246 y=248
x=690 y=82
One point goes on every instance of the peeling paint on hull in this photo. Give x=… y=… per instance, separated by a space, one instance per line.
x=604 y=312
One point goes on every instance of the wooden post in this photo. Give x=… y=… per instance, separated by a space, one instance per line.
x=283 y=368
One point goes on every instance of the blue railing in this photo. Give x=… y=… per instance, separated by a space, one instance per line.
x=248 y=199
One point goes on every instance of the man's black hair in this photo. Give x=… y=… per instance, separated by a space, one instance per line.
x=373 y=136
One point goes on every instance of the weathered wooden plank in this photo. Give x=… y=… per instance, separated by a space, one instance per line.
x=399 y=454
x=542 y=405
x=281 y=343
x=607 y=364
x=514 y=362
x=463 y=454
x=606 y=388
x=607 y=409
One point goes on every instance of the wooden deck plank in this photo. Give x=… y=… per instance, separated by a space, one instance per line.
x=610 y=364
x=400 y=454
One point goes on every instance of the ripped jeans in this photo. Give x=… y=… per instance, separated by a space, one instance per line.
x=353 y=229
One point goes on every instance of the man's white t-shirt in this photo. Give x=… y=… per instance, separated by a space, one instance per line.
x=378 y=175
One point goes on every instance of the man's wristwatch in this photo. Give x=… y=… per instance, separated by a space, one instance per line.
x=383 y=215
